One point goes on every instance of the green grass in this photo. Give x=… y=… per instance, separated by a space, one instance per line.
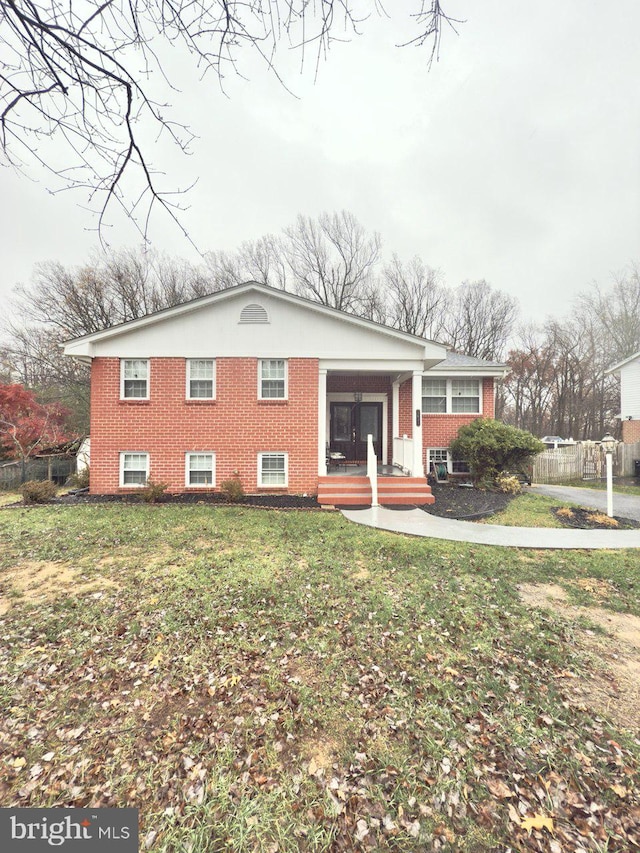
x=528 y=510
x=287 y=681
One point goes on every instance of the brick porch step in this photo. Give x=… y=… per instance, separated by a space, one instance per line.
x=352 y=491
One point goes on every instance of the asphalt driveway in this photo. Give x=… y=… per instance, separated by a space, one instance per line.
x=624 y=506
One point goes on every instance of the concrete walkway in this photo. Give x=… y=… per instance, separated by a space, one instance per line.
x=624 y=506
x=416 y=522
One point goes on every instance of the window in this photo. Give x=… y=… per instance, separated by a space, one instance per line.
x=465 y=396
x=200 y=469
x=442 y=455
x=434 y=395
x=201 y=379
x=272 y=379
x=134 y=469
x=451 y=396
x=272 y=469
x=134 y=379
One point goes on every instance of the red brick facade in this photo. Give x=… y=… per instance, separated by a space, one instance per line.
x=167 y=426
x=631 y=431
x=236 y=426
x=440 y=430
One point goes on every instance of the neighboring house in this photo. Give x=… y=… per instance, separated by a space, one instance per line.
x=629 y=373
x=258 y=383
x=553 y=442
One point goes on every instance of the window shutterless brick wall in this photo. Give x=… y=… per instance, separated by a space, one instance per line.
x=236 y=426
x=440 y=430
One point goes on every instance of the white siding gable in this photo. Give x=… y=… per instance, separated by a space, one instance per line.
x=630 y=390
x=285 y=329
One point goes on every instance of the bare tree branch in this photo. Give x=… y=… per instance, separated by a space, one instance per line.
x=82 y=72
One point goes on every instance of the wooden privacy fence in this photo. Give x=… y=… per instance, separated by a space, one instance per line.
x=583 y=461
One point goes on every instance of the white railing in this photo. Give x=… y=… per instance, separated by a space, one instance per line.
x=403 y=453
x=372 y=470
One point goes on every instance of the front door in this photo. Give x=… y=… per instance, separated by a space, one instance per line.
x=349 y=426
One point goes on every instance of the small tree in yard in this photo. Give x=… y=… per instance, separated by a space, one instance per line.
x=490 y=447
x=26 y=426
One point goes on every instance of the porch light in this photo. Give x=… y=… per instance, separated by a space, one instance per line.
x=608 y=444
x=357 y=396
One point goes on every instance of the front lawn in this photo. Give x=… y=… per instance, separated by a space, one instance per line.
x=256 y=680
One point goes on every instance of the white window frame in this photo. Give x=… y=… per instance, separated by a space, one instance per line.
x=189 y=362
x=123 y=364
x=262 y=361
x=123 y=455
x=466 y=396
x=448 y=458
x=442 y=451
x=187 y=468
x=261 y=483
x=449 y=380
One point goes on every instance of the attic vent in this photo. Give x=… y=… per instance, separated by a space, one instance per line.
x=254 y=313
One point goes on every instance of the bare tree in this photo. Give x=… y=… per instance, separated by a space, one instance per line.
x=62 y=303
x=479 y=320
x=331 y=259
x=90 y=76
x=617 y=310
x=528 y=387
x=416 y=297
x=259 y=260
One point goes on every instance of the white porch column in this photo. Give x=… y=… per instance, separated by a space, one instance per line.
x=417 y=469
x=322 y=422
x=395 y=409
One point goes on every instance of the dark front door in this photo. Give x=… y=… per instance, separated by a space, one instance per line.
x=350 y=425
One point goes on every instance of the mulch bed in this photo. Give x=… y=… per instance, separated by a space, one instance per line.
x=462 y=502
x=270 y=501
x=452 y=501
x=590 y=519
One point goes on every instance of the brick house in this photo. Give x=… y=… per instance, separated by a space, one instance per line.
x=259 y=383
x=628 y=372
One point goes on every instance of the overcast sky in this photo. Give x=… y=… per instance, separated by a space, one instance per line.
x=515 y=159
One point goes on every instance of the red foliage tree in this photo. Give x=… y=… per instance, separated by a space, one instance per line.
x=28 y=427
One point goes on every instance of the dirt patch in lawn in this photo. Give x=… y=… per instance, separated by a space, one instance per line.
x=44 y=581
x=612 y=686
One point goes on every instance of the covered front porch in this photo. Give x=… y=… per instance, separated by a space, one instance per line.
x=355 y=403
x=370 y=437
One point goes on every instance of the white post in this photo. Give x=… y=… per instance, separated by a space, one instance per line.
x=417 y=468
x=395 y=408
x=609 y=484
x=372 y=470
x=322 y=422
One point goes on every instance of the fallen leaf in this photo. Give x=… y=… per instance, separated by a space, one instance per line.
x=537 y=822
x=499 y=789
x=362 y=830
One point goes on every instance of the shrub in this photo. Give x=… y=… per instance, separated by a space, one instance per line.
x=38 y=491
x=601 y=518
x=153 y=492
x=508 y=483
x=80 y=480
x=490 y=447
x=232 y=489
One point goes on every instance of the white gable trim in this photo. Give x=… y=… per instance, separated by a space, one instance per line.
x=616 y=367
x=82 y=346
